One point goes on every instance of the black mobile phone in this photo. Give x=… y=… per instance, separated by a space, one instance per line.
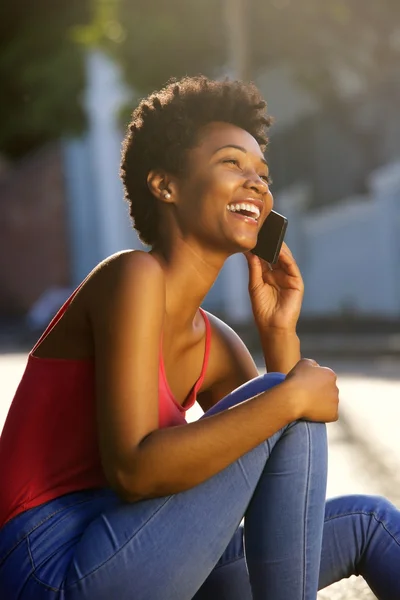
x=270 y=237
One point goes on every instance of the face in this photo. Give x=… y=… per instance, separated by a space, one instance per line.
x=224 y=198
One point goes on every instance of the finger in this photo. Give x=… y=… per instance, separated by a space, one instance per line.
x=332 y=371
x=266 y=267
x=255 y=269
x=287 y=249
x=260 y=265
x=289 y=264
x=310 y=361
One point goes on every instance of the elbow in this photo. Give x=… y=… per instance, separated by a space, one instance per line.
x=127 y=476
x=128 y=486
x=134 y=487
x=126 y=481
x=141 y=477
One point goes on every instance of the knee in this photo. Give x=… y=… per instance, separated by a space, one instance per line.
x=370 y=508
x=260 y=384
x=377 y=506
x=271 y=379
x=256 y=386
x=313 y=433
x=251 y=388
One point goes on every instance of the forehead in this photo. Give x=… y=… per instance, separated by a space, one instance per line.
x=218 y=134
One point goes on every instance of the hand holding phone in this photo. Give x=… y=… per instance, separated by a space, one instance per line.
x=270 y=237
x=276 y=294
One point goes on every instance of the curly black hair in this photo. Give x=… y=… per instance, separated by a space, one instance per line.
x=165 y=126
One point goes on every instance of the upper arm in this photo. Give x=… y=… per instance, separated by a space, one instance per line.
x=231 y=364
x=126 y=313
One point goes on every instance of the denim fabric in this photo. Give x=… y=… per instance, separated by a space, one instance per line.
x=92 y=546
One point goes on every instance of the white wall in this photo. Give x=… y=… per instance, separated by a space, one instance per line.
x=105 y=95
x=351 y=252
x=99 y=222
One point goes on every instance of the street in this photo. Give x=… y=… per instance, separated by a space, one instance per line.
x=353 y=467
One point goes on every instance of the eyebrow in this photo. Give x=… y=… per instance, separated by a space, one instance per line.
x=239 y=148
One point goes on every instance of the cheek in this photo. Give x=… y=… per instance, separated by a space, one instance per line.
x=206 y=192
x=269 y=200
x=227 y=180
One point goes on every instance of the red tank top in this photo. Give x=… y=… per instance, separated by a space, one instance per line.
x=48 y=446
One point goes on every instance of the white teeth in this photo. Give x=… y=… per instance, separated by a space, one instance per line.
x=244 y=206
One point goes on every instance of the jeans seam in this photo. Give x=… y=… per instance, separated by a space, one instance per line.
x=305 y=509
x=367 y=514
x=45 y=585
x=70 y=586
x=33 y=575
x=30 y=552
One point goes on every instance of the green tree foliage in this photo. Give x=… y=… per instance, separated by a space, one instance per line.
x=41 y=72
x=170 y=39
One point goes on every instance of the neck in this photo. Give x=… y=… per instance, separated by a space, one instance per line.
x=190 y=273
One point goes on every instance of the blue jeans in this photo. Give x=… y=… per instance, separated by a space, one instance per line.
x=90 y=545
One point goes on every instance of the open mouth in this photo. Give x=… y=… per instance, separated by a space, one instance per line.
x=245 y=209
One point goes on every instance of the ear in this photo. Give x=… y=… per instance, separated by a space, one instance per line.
x=162 y=186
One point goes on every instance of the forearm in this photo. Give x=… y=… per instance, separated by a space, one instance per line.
x=281 y=351
x=175 y=459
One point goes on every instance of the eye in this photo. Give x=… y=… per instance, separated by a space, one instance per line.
x=232 y=161
x=267 y=179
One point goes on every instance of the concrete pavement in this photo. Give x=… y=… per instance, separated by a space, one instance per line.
x=371 y=411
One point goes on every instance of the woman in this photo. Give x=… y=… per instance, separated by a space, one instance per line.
x=106 y=491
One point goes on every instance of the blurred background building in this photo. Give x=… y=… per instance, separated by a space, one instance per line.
x=330 y=74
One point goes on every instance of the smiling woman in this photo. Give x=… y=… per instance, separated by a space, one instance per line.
x=105 y=490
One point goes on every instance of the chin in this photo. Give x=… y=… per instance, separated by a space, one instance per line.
x=242 y=245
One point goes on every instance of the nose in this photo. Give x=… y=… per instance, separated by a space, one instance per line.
x=255 y=183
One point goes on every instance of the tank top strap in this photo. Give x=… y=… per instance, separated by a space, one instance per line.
x=57 y=317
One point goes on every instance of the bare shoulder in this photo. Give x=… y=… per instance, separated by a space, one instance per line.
x=128 y=262
x=121 y=271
